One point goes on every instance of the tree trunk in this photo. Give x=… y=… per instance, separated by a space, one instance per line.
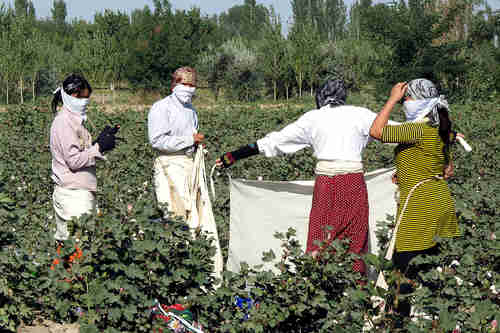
x=287 y=95
x=112 y=88
x=21 y=83
x=7 y=91
x=300 y=85
x=33 y=84
x=275 y=89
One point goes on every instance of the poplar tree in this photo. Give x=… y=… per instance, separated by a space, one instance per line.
x=272 y=51
x=59 y=13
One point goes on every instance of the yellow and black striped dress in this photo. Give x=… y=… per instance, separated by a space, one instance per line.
x=431 y=210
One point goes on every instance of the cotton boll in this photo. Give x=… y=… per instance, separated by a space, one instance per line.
x=377 y=301
x=494 y=290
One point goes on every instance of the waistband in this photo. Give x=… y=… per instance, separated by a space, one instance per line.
x=337 y=167
x=183 y=152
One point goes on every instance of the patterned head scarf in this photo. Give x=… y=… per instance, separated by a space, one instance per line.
x=184 y=75
x=421 y=89
x=426 y=101
x=332 y=93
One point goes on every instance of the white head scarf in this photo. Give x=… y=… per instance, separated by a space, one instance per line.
x=426 y=102
x=184 y=93
x=75 y=105
x=418 y=109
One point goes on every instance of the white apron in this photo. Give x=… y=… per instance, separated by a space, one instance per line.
x=69 y=203
x=182 y=185
x=172 y=177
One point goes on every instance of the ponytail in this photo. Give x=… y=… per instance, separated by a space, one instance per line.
x=56 y=100
x=445 y=132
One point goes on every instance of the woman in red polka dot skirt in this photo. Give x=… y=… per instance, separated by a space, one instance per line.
x=337 y=133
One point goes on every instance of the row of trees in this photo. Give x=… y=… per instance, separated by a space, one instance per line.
x=244 y=53
x=451 y=43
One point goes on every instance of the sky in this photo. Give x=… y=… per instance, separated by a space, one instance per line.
x=86 y=9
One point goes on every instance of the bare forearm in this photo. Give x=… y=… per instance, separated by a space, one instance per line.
x=382 y=118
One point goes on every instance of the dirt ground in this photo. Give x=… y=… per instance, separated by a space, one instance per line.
x=49 y=327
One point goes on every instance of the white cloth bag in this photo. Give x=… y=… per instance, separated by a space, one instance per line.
x=200 y=215
x=259 y=209
x=172 y=178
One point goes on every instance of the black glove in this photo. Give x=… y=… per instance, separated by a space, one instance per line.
x=228 y=159
x=107 y=139
x=106 y=142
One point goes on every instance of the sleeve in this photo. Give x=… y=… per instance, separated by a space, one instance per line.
x=393 y=123
x=230 y=158
x=70 y=147
x=159 y=132
x=405 y=133
x=366 y=123
x=290 y=139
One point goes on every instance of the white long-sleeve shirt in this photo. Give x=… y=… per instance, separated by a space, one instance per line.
x=334 y=133
x=171 y=125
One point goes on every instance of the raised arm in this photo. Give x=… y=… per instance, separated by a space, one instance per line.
x=382 y=118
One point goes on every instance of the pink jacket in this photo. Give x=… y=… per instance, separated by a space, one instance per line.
x=73 y=155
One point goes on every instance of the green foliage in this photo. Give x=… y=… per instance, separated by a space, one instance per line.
x=244 y=21
x=234 y=66
x=59 y=12
x=174 y=40
x=424 y=39
x=131 y=256
x=328 y=16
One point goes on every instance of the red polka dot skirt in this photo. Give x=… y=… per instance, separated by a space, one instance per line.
x=340 y=202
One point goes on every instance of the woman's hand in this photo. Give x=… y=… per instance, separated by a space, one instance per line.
x=394 y=178
x=218 y=162
x=398 y=91
x=448 y=171
x=198 y=138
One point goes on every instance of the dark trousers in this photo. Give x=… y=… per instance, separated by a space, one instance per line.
x=401 y=261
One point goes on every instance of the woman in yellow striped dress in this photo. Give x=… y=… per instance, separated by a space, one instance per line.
x=423 y=161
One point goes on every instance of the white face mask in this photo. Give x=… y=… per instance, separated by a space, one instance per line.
x=184 y=93
x=76 y=105
x=415 y=110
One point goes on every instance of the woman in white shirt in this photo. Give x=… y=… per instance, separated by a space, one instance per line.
x=337 y=133
x=173 y=133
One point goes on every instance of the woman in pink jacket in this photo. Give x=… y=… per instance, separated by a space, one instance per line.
x=74 y=154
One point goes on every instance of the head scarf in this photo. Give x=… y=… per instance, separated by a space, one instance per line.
x=184 y=75
x=184 y=93
x=73 y=104
x=332 y=93
x=426 y=101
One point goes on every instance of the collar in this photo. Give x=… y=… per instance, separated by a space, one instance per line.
x=179 y=105
x=72 y=116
